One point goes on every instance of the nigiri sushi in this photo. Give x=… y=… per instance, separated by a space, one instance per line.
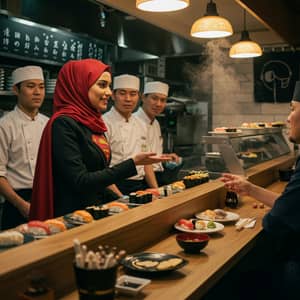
x=11 y=238
x=56 y=226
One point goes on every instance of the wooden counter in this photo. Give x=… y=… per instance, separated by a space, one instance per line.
x=137 y=230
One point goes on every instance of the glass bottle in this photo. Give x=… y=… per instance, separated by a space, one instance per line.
x=231 y=199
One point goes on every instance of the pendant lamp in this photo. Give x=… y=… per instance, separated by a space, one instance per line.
x=245 y=48
x=211 y=25
x=162 y=5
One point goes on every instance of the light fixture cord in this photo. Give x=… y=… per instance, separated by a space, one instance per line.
x=244 y=19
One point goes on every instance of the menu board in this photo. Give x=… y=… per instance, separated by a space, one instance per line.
x=23 y=38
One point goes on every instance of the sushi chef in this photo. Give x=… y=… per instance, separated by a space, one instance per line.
x=126 y=134
x=154 y=101
x=20 y=134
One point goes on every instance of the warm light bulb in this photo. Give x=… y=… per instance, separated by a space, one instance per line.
x=211 y=27
x=245 y=47
x=162 y=5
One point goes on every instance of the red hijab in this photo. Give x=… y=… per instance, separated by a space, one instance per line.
x=70 y=99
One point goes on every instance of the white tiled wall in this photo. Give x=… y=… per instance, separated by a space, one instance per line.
x=233 y=96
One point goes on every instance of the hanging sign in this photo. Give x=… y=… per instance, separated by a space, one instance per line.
x=275 y=76
x=22 y=38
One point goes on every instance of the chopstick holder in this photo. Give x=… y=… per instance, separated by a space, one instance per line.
x=245 y=223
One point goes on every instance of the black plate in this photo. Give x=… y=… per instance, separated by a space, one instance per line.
x=129 y=262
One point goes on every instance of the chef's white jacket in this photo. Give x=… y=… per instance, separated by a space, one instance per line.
x=153 y=135
x=126 y=138
x=19 y=143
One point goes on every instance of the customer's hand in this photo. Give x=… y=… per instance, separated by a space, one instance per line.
x=149 y=158
x=174 y=157
x=236 y=183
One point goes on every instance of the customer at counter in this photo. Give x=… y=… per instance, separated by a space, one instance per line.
x=126 y=133
x=154 y=101
x=281 y=224
x=72 y=169
x=20 y=134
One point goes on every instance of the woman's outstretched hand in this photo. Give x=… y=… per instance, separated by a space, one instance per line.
x=236 y=183
x=149 y=158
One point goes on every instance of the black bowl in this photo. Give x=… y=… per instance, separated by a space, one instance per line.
x=192 y=242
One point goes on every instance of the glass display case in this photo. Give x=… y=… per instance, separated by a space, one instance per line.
x=236 y=151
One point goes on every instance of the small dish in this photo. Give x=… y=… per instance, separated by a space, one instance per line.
x=192 y=242
x=131 y=285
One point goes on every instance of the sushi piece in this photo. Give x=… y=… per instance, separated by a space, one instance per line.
x=56 y=226
x=210 y=214
x=11 y=238
x=38 y=228
x=116 y=207
x=98 y=212
x=186 y=224
x=200 y=225
x=220 y=213
x=23 y=228
x=82 y=216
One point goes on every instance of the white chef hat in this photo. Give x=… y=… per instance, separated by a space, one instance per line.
x=27 y=73
x=126 y=81
x=156 y=87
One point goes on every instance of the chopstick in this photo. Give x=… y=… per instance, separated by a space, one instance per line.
x=245 y=223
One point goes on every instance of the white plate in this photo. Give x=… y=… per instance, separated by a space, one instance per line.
x=230 y=217
x=219 y=227
x=225 y=132
x=130 y=284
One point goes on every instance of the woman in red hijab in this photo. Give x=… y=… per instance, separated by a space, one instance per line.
x=72 y=167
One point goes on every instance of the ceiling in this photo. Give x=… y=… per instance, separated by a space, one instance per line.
x=270 y=23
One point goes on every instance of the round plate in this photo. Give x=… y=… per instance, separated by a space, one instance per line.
x=225 y=132
x=219 y=227
x=153 y=263
x=230 y=217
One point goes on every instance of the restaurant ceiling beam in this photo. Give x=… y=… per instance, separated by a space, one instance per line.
x=282 y=16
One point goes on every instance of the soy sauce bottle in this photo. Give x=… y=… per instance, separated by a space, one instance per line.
x=231 y=200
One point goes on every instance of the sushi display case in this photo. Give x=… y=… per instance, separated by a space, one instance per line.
x=235 y=152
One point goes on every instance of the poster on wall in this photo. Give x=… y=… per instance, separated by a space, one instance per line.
x=275 y=75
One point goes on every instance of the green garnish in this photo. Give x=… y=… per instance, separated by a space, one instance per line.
x=211 y=224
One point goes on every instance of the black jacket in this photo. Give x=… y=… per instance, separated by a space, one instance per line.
x=80 y=170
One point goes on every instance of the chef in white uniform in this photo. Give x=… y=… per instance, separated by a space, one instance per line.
x=126 y=133
x=154 y=101
x=20 y=134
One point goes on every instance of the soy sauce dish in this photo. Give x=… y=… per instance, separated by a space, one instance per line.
x=130 y=284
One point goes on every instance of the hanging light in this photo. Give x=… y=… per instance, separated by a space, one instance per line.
x=211 y=25
x=162 y=5
x=245 y=48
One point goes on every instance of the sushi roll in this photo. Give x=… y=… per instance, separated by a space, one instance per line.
x=56 y=226
x=97 y=212
x=200 y=225
x=132 y=198
x=38 y=229
x=11 y=238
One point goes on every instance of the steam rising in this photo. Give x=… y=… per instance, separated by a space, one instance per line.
x=215 y=68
